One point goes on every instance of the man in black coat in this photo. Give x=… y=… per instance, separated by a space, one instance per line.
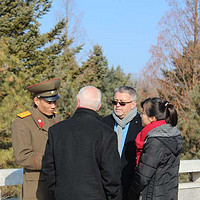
x=126 y=122
x=81 y=160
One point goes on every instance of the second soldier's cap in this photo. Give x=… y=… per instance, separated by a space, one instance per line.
x=47 y=90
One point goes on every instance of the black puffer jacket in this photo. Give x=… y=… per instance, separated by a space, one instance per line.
x=157 y=174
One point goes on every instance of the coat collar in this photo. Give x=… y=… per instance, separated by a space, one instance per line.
x=41 y=120
x=87 y=111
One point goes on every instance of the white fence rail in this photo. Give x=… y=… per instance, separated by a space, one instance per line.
x=187 y=191
x=11 y=177
x=191 y=190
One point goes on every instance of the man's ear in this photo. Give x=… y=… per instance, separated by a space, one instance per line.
x=152 y=119
x=77 y=102
x=99 y=107
x=134 y=104
x=36 y=100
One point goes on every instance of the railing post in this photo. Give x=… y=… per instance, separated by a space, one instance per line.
x=196 y=177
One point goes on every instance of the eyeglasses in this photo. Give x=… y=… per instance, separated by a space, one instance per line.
x=121 y=103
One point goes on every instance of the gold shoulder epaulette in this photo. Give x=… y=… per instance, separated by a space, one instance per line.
x=24 y=114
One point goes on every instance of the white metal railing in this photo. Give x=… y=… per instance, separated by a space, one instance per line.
x=11 y=177
x=187 y=191
x=190 y=190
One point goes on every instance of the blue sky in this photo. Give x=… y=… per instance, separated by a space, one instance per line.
x=125 y=29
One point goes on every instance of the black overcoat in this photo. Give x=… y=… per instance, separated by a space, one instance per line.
x=81 y=159
x=128 y=157
x=157 y=173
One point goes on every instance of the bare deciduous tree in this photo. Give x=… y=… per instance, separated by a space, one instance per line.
x=174 y=67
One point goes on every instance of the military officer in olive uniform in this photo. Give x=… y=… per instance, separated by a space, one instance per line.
x=29 y=136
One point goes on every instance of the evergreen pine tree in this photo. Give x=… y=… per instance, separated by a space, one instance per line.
x=12 y=96
x=68 y=70
x=37 y=52
x=26 y=57
x=93 y=71
x=96 y=72
x=114 y=78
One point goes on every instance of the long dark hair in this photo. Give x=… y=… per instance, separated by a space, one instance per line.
x=161 y=110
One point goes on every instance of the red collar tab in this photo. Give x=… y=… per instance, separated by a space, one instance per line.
x=40 y=122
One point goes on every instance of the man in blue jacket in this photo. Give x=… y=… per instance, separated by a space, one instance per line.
x=81 y=159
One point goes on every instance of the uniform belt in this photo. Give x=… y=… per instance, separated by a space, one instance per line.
x=30 y=170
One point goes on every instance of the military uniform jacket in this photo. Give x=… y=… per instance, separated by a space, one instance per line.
x=29 y=136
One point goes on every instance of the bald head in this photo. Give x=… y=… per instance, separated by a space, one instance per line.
x=89 y=97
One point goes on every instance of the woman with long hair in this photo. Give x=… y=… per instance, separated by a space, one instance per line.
x=158 y=152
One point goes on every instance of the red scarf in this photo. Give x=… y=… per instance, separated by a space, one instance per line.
x=139 y=141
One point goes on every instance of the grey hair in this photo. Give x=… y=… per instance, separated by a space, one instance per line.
x=89 y=99
x=127 y=89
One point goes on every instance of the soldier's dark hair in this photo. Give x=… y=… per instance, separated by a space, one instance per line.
x=161 y=110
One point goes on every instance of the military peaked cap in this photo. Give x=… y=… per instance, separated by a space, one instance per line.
x=47 y=90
